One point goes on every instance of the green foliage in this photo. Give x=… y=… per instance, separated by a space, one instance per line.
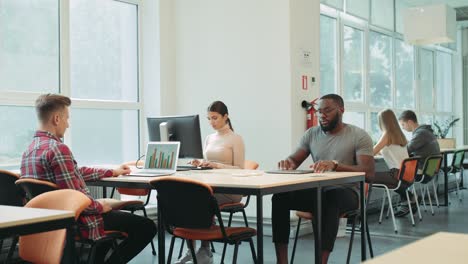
x=441 y=129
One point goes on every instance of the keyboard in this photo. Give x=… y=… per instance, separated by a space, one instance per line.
x=290 y=171
x=190 y=167
x=150 y=173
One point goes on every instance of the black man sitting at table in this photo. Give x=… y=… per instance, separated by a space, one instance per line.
x=334 y=146
x=48 y=158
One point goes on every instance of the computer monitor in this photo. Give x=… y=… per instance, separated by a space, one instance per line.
x=185 y=129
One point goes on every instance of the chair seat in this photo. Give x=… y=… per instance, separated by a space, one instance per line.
x=123 y=205
x=231 y=207
x=310 y=216
x=214 y=233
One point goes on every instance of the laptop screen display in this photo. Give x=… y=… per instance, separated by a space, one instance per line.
x=162 y=155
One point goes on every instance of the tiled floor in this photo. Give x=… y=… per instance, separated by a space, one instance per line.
x=450 y=219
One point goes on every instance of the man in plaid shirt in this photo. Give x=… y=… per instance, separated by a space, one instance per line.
x=48 y=158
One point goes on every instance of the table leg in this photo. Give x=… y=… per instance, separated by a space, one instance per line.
x=161 y=239
x=259 y=229
x=104 y=192
x=318 y=221
x=363 y=220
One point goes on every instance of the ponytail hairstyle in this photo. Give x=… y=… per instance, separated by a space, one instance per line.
x=220 y=108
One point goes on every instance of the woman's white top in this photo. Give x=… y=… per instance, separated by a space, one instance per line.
x=225 y=147
x=394 y=155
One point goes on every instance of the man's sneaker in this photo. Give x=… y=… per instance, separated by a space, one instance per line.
x=204 y=255
x=403 y=210
x=185 y=258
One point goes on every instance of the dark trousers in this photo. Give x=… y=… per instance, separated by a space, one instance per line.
x=390 y=179
x=335 y=202
x=140 y=231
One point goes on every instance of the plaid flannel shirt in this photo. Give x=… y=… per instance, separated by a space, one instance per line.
x=48 y=158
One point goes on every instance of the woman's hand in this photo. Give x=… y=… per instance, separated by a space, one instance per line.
x=211 y=164
x=195 y=163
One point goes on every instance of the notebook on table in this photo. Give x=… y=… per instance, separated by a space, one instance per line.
x=161 y=159
x=289 y=171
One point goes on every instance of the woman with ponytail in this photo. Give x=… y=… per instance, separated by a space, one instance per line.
x=223 y=149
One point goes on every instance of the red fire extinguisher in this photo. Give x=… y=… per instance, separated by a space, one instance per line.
x=310 y=109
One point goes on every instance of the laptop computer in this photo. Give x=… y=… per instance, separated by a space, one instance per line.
x=289 y=171
x=161 y=159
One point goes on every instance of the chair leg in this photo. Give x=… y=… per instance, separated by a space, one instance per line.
x=236 y=249
x=224 y=253
x=152 y=243
x=230 y=219
x=410 y=209
x=295 y=240
x=423 y=194
x=435 y=194
x=171 y=248
x=417 y=203
x=430 y=200
x=245 y=218
x=458 y=187
x=192 y=250
x=390 y=205
x=382 y=207
x=351 y=239
x=181 y=248
x=12 y=249
x=252 y=249
x=212 y=247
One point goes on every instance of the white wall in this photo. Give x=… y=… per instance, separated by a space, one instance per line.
x=247 y=54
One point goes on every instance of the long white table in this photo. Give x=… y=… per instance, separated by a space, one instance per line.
x=17 y=221
x=439 y=248
x=239 y=182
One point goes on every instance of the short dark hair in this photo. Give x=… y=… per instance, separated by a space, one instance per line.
x=47 y=104
x=336 y=98
x=408 y=115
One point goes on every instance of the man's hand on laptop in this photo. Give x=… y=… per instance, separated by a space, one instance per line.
x=121 y=170
x=287 y=164
x=323 y=165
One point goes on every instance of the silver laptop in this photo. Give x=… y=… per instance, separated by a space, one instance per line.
x=161 y=159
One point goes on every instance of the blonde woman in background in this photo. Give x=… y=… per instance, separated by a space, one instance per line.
x=392 y=146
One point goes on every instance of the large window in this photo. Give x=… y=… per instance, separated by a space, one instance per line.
x=97 y=66
x=327 y=55
x=104 y=52
x=353 y=64
x=29 y=46
x=426 y=82
x=404 y=75
x=444 y=82
x=380 y=72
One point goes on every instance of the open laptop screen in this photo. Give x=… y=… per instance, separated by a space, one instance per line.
x=162 y=155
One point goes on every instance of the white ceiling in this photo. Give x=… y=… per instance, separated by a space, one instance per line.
x=452 y=3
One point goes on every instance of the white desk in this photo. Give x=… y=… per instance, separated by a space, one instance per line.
x=17 y=221
x=438 y=248
x=223 y=181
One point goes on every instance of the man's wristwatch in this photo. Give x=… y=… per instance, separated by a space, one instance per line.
x=335 y=162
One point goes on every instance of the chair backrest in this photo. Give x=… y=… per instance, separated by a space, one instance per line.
x=457 y=161
x=250 y=165
x=432 y=165
x=34 y=187
x=47 y=247
x=10 y=194
x=408 y=169
x=185 y=203
x=136 y=192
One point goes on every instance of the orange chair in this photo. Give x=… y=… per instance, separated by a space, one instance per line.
x=188 y=208
x=11 y=195
x=47 y=247
x=407 y=174
x=34 y=187
x=131 y=205
x=353 y=215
